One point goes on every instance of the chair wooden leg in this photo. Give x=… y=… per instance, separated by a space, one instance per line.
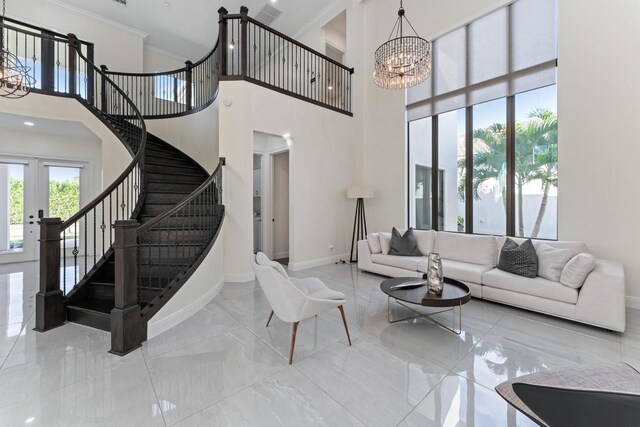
x=270 y=316
x=344 y=320
x=294 y=331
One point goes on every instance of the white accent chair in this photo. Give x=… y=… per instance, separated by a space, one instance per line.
x=294 y=300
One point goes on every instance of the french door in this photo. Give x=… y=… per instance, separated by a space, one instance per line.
x=31 y=188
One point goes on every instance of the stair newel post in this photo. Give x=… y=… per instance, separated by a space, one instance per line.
x=73 y=63
x=244 y=24
x=127 y=327
x=103 y=89
x=188 y=92
x=49 y=299
x=223 y=36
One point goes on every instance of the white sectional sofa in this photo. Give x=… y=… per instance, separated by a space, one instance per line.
x=472 y=259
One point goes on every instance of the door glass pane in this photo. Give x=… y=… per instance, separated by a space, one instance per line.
x=420 y=154
x=64 y=197
x=537 y=163
x=489 y=167
x=11 y=208
x=451 y=162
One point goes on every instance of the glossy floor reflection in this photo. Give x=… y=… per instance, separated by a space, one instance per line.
x=223 y=367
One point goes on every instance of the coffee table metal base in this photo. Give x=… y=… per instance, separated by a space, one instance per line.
x=427 y=316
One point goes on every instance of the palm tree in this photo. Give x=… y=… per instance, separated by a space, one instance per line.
x=536 y=156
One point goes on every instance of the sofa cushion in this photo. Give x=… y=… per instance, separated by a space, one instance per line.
x=385 y=242
x=577 y=269
x=551 y=261
x=463 y=271
x=539 y=286
x=575 y=247
x=404 y=244
x=405 y=262
x=373 y=239
x=471 y=248
x=313 y=287
x=519 y=259
x=426 y=240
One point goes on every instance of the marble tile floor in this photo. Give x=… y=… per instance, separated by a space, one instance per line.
x=223 y=367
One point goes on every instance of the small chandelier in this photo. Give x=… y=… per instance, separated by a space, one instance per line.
x=403 y=61
x=15 y=80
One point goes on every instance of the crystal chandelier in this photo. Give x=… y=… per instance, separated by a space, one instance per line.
x=15 y=80
x=403 y=61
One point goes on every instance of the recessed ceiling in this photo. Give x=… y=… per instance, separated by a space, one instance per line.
x=64 y=128
x=189 y=28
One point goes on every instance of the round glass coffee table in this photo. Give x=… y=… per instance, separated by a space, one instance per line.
x=454 y=294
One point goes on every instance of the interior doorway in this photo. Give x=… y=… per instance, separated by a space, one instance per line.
x=281 y=207
x=271 y=198
x=31 y=188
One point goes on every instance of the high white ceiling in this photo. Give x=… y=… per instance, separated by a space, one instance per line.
x=189 y=28
x=63 y=128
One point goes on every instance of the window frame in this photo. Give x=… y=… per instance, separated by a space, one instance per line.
x=511 y=166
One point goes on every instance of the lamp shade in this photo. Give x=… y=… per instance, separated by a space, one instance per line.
x=360 y=192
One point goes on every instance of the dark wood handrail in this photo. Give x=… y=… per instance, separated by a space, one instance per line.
x=147 y=226
x=297 y=43
x=46 y=35
x=137 y=159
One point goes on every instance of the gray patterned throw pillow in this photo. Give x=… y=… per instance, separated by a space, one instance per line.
x=406 y=245
x=519 y=259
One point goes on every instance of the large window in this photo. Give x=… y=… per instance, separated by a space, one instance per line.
x=536 y=164
x=451 y=163
x=489 y=173
x=484 y=127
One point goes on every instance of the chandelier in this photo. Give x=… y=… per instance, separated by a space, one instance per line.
x=15 y=80
x=403 y=61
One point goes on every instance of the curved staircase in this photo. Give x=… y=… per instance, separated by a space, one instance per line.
x=128 y=251
x=170 y=177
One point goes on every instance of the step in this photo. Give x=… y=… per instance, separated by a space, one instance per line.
x=176 y=178
x=153 y=159
x=171 y=187
x=173 y=198
x=185 y=222
x=191 y=209
x=94 y=313
x=166 y=168
x=183 y=236
x=150 y=286
x=158 y=253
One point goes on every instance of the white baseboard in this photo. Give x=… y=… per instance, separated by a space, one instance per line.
x=239 y=277
x=184 y=313
x=317 y=262
x=279 y=255
x=633 y=302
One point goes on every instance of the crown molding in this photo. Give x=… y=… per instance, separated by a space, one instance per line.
x=97 y=17
x=325 y=15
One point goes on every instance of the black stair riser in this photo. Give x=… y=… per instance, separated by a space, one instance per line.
x=174 y=178
x=171 y=169
x=92 y=319
x=163 y=186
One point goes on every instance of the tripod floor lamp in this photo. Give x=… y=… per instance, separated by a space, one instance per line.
x=360 y=221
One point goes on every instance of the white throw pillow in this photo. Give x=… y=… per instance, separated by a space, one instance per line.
x=262 y=259
x=374 y=243
x=385 y=242
x=551 y=261
x=577 y=269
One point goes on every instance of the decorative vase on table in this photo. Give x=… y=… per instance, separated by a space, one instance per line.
x=435 y=276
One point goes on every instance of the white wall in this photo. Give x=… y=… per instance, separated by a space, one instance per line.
x=324 y=161
x=156 y=60
x=114 y=156
x=116 y=46
x=196 y=135
x=598 y=92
